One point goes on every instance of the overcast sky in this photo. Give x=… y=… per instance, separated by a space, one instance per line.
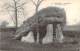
x=71 y=7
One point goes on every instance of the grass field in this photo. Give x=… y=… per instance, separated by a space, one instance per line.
x=8 y=44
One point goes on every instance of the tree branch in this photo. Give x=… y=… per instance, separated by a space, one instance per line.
x=22 y=4
x=12 y=18
x=23 y=12
x=39 y=2
x=33 y=2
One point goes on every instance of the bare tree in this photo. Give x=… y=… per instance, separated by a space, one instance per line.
x=16 y=7
x=37 y=4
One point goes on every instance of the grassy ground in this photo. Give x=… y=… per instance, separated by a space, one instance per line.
x=8 y=44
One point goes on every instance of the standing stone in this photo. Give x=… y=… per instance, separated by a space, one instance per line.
x=59 y=34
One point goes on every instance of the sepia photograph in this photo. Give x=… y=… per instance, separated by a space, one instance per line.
x=39 y=25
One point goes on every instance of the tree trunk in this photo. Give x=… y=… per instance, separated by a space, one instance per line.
x=36 y=10
x=16 y=18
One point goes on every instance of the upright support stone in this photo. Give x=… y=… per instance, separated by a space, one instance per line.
x=59 y=34
x=54 y=32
